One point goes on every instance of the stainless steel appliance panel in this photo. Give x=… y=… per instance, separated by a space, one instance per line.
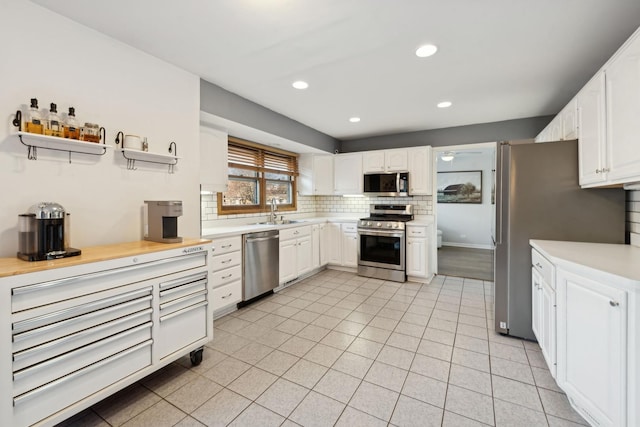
x=538 y=197
x=260 y=266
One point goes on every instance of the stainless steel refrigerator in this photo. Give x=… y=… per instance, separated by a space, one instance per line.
x=538 y=197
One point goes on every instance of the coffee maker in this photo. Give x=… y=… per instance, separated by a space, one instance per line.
x=43 y=233
x=162 y=220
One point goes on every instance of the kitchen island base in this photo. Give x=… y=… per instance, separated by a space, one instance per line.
x=80 y=330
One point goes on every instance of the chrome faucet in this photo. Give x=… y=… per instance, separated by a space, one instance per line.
x=273 y=217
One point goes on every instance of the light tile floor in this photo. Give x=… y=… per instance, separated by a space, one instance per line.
x=339 y=349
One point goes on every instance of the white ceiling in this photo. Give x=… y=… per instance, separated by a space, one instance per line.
x=497 y=59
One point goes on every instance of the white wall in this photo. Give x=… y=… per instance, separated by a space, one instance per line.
x=468 y=225
x=56 y=60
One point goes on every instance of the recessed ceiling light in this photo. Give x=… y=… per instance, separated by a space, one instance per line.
x=426 y=50
x=300 y=84
x=354 y=119
x=447 y=156
x=444 y=104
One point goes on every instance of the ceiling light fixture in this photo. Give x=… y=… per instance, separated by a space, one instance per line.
x=354 y=119
x=444 y=104
x=299 y=84
x=447 y=156
x=426 y=50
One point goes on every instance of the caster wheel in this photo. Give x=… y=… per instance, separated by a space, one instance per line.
x=196 y=356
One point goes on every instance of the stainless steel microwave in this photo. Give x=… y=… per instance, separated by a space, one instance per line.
x=387 y=184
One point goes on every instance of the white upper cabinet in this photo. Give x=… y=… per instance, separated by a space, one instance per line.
x=591 y=131
x=420 y=171
x=385 y=161
x=608 y=126
x=373 y=161
x=316 y=175
x=623 y=114
x=395 y=160
x=213 y=159
x=347 y=173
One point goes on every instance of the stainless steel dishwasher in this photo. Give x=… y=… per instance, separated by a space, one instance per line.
x=260 y=263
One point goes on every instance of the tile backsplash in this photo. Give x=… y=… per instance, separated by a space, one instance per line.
x=422 y=205
x=633 y=216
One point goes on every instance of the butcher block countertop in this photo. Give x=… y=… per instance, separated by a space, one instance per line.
x=14 y=266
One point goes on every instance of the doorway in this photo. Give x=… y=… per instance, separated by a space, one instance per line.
x=465 y=210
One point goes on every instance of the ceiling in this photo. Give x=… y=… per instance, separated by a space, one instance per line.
x=497 y=59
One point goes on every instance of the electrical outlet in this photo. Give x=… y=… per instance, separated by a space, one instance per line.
x=503 y=325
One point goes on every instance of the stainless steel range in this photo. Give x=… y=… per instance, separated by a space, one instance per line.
x=381 y=242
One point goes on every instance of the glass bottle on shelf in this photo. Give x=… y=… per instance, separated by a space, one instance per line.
x=90 y=132
x=71 y=128
x=54 y=124
x=33 y=122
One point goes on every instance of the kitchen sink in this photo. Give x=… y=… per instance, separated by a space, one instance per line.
x=279 y=222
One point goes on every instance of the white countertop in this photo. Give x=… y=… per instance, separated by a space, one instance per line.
x=235 y=228
x=231 y=230
x=620 y=260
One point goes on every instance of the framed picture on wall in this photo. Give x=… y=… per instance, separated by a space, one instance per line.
x=460 y=187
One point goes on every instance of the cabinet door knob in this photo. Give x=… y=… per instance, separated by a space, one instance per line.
x=614 y=303
x=598 y=170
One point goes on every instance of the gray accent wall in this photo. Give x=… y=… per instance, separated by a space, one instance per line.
x=470 y=134
x=222 y=103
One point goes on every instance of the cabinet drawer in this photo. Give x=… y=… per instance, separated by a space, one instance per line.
x=34 y=355
x=33 y=406
x=544 y=267
x=231 y=259
x=226 y=295
x=222 y=277
x=227 y=244
x=416 y=231
x=44 y=293
x=181 y=328
x=350 y=228
x=38 y=375
x=52 y=326
x=294 y=233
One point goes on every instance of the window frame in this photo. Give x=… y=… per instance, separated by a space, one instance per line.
x=262 y=152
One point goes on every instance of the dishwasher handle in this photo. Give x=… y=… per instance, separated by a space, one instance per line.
x=260 y=239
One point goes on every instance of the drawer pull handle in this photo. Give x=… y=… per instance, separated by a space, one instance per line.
x=183 y=280
x=181 y=300
x=227 y=276
x=30 y=394
x=227 y=261
x=60 y=360
x=614 y=303
x=538 y=265
x=182 y=311
x=227 y=296
x=226 y=246
x=85 y=311
x=78 y=335
x=70 y=280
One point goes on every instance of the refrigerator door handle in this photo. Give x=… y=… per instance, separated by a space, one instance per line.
x=499 y=193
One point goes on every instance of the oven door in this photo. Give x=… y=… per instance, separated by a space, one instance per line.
x=381 y=248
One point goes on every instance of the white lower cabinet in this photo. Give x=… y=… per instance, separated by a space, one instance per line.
x=74 y=335
x=594 y=328
x=349 y=248
x=342 y=244
x=592 y=319
x=226 y=274
x=296 y=253
x=418 y=251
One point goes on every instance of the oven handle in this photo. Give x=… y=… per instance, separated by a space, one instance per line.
x=390 y=233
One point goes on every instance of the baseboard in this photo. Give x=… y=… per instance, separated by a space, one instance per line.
x=467 y=245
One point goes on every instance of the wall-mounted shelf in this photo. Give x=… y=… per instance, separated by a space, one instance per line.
x=33 y=141
x=133 y=155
